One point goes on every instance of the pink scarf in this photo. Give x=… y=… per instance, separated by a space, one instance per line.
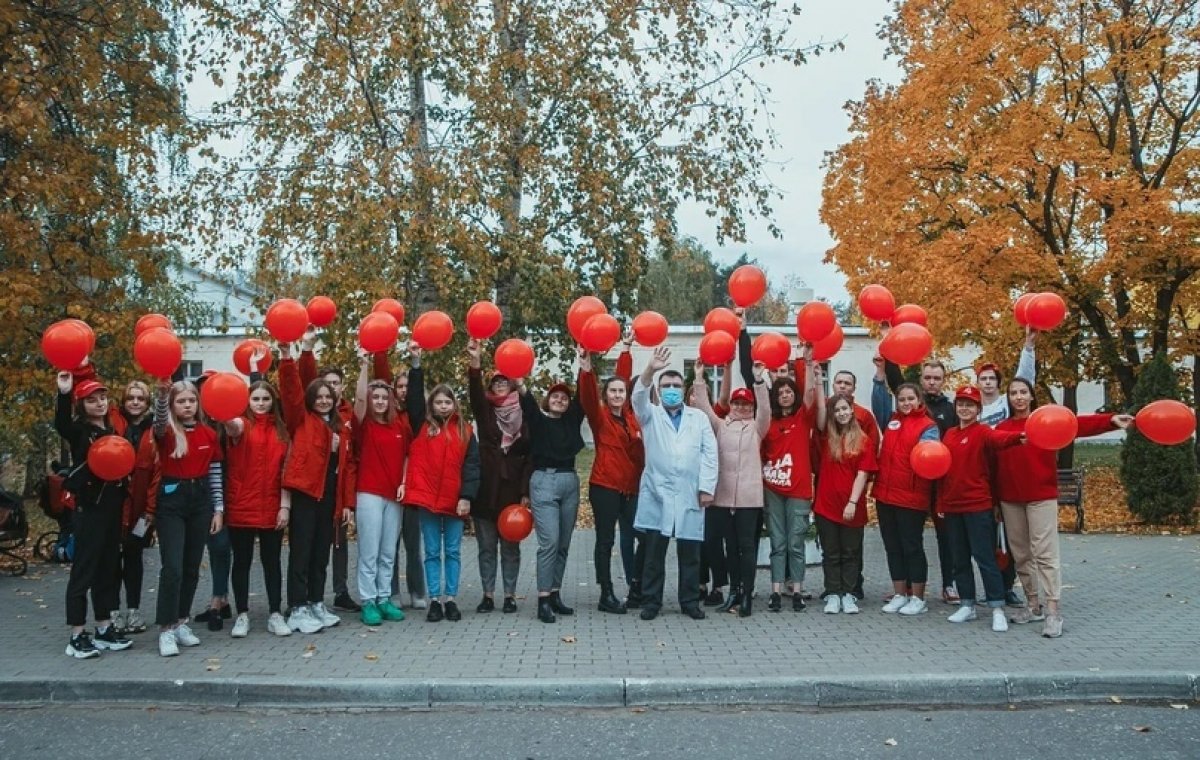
x=508 y=417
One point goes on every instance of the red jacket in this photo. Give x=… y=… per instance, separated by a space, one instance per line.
x=435 y=464
x=896 y=484
x=142 y=494
x=254 y=475
x=308 y=459
x=620 y=453
x=1027 y=473
x=308 y=373
x=967 y=487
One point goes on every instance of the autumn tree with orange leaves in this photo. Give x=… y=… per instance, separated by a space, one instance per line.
x=1038 y=145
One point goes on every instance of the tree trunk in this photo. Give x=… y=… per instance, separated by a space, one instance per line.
x=513 y=33
x=1066 y=457
x=422 y=290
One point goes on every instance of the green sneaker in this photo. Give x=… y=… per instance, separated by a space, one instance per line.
x=390 y=611
x=371 y=614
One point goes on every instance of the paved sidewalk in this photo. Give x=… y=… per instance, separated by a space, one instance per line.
x=1132 y=609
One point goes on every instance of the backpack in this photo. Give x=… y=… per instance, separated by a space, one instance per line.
x=52 y=495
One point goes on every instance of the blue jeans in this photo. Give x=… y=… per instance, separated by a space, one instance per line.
x=441 y=533
x=973 y=536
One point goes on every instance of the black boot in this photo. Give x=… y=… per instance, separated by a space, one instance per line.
x=634 y=600
x=556 y=604
x=744 y=605
x=609 y=602
x=731 y=601
x=545 y=610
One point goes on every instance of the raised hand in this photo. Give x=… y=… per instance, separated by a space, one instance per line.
x=661 y=358
x=65 y=381
x=308 y=341
x=474 y=353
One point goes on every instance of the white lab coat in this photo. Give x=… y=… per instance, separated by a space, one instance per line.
x=679 y=465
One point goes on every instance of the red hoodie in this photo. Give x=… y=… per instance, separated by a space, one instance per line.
x=968 y=485
x=1027 y=473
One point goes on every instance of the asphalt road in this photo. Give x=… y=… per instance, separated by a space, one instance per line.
x=1059 y=732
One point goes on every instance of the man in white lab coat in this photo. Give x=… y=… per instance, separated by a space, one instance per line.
x=678 y=482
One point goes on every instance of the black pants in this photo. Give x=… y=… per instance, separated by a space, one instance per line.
x=739 y=531
x=183 y=523
x=610 y=508
x=902 y=532
x=270 y=547
x=715 y=550
x=842 y=555
x=945 y=555
x=132 y=571
x=341 y=562
x=655 y=575
x=310 y=536
x=97 y=554
x=414 y=563
x=973 y=536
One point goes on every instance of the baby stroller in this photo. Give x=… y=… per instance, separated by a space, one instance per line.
x=14 y=531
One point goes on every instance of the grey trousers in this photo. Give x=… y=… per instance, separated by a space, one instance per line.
x=414 y=563
x=787 y=522
x=555 y=501
x=488 y=538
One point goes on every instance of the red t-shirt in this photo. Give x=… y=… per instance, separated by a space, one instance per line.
x=382 y=448
x=836 y=484
x=203 y=449
x=787 y=469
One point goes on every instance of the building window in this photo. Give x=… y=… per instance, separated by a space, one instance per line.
x=715 y=376
x=191 y=369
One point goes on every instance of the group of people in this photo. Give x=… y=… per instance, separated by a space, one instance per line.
x=407 y=469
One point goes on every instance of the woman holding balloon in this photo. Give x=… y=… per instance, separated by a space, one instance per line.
x=1027 y=486
x=81 y=419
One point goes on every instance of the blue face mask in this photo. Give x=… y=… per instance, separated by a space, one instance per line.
x=672 y=396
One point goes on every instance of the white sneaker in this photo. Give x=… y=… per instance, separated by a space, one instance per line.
x=167 y=646
x=849 y=604
x=241 y=626
x=185 y=637
x=833 y=604
x=999 y=621
x=914 y=606
x=302 y=620
x=324 y=616
x=277 y=625
x=965 y=612
x=419 y=603
x=117 y=621
x=897 y=602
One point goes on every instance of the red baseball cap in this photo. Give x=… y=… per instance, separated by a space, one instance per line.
x=970 y=393
x=87 y=388
x=985 y=367
x=742 y=394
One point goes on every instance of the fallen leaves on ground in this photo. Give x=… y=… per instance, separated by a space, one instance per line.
x=212 y=664
x=309 y=650
x=1141 y=729
x=371 y=657
x=568 y=639
x=890 y=742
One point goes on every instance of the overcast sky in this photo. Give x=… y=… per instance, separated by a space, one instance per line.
x=810 y=122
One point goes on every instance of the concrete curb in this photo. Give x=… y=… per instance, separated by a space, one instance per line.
x=882 y=691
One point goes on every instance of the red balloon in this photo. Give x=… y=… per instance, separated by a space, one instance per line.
x=825 y=349
x=65 y=345
x=722 y=320
x=910 y=313
x=158 y=352
x=224 y=396
x=815 y=321
x=1051 y=427
x=1046 y=311
x=514 y=358
x=241 y=356
x=772 y=349
x=484 y=320
x=747 y=285
x=111 y=457
x=650 y=328
x=876 y=303
x=930 y=459
x=906 y=344
x=391 y=306
x=600 y=333
x=321 y=311
x=433 y=330
x=584 y=308
x=87 y=329
x=1166 y=422
x=515 y=523
x=1019 y=307
x=287 y=320
x=717 y=348
x=151 y=321
x=378 y=331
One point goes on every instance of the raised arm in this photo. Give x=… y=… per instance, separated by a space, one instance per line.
x=308 y=360
x=762 y=400
x=62 y=408
x=383 y=368
x=881 y=397
x=360 y=389
x=745 y=360
x=416 y=392
x=162 y=408
x=1027 y=364
x=291 y=394
x=475 y=395
x=640 y=398
x=812 y=379
x=700 y=398
x=624 y=368
x=821 y=412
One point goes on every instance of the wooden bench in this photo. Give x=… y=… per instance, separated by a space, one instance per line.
x=1070 y=493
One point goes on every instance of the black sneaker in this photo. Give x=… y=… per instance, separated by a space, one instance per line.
x=487 y=605
x=452 y=613
x=510 y=604
x=798 y=604
x=695 y=613
x=775 y=603
x=111 y=639
x=435 y=612
x=714 y=598
x=1013 y=599
x=81 y=647
x=346 y=603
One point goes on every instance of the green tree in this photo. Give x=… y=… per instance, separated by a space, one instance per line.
x=1160 y=481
